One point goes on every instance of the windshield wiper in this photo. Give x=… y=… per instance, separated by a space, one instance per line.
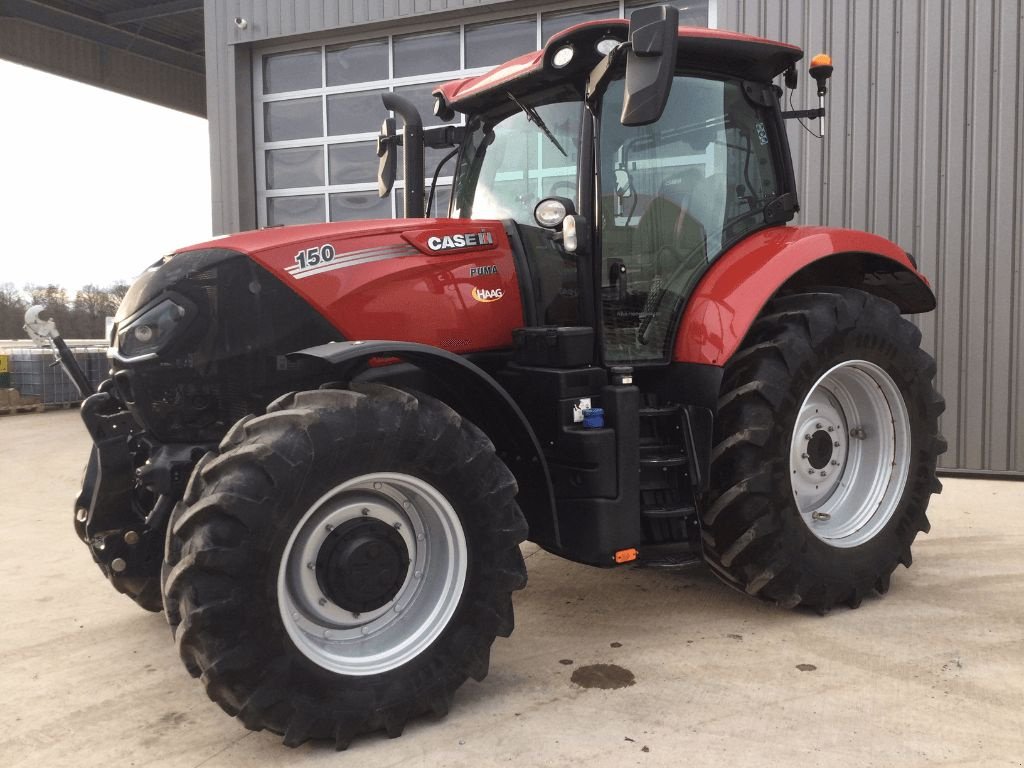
x=533 y=117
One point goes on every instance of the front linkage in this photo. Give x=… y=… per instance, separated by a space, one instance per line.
x=128 y=491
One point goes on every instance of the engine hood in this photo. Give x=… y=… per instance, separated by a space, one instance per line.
x=449 y=283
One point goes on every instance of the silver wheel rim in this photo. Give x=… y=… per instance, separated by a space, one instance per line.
x=850 y=453
x=387 y=637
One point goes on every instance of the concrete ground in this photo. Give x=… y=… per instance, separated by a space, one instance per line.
x=933 y=674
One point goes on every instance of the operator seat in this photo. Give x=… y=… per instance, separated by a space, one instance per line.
x=668 y=234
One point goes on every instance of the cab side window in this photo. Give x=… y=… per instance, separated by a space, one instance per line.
x=673 y=195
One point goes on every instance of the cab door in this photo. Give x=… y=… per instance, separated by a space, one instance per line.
x=673 y=196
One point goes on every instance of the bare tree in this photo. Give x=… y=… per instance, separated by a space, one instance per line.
x=12 y=311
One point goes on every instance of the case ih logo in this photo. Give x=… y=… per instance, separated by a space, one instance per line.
x=487 y=295
x=467 y=240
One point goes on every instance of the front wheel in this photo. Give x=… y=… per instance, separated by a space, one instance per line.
x=344 y=564
x=825 y=451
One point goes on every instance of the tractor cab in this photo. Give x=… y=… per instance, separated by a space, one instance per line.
x=625 y=160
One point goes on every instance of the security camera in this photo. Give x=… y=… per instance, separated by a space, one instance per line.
x=241 y=23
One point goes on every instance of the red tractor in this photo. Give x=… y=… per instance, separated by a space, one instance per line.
x=321 y=446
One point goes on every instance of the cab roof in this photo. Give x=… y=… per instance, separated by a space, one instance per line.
x=714 y=51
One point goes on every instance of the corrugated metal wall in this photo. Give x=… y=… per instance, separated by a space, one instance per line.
x=927 y=148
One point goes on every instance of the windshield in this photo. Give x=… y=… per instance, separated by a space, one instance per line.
x=517 y=155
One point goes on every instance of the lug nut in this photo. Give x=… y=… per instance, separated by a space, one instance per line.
x=131 y=538
x=398 y=526
x=328 y=527
x=831 y=429
x=817 y=426
x=807 y=437
x=835 y=463
x=118 y=565
x=810 y=471
x=803 y=455
x=836 y=444
x=823 y=473
x=322 y=601
x=311 y=565
x=365 y=511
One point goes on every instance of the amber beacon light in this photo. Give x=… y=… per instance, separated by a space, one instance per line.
x=821 y=71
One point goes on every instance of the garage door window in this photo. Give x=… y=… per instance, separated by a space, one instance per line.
x=318 y=108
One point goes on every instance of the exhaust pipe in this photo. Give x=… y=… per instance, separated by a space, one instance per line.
x=412 y=157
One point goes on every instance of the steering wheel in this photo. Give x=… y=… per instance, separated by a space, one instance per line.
x=562 y=188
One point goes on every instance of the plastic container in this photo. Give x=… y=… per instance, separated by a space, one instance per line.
x=593 y=418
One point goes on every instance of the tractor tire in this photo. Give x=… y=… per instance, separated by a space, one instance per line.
x=824 y=451
x=344 y=563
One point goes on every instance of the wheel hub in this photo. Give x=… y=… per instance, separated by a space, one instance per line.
x=362 y=564
x=819 y=449
x=850 y=453
x=372 y=573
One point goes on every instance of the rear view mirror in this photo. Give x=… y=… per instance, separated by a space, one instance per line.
x=650 y=63
x=387 y=168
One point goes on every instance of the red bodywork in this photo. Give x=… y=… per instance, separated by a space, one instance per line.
x=385 y=281
x=738 y=285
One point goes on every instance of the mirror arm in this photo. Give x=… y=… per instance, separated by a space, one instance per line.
x=600 y=74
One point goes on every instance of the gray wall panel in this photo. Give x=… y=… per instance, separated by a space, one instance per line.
x=926 y=147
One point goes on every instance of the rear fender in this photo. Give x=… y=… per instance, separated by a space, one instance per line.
x=735 y=289
x=474 y=394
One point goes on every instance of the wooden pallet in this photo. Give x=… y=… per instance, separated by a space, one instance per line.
x=11 y=401
x=10 y=409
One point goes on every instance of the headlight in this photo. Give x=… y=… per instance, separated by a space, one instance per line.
x=149 y=332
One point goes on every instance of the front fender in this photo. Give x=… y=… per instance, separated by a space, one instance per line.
x=737 y=286
x=474 y=394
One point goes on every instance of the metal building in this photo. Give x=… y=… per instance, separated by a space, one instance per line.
x=926 y=141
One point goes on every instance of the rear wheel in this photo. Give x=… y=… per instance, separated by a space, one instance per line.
x=825 y=451
x=344 y=564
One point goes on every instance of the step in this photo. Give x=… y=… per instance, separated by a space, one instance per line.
x=670 y=562
x=658 y=411
x=657 y=460
x=682 y=510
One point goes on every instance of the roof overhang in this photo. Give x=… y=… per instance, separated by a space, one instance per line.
x=151 y=50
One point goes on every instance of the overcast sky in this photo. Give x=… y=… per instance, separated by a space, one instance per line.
x=94 y=186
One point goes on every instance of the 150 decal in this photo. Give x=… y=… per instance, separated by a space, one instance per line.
x=315 y=255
